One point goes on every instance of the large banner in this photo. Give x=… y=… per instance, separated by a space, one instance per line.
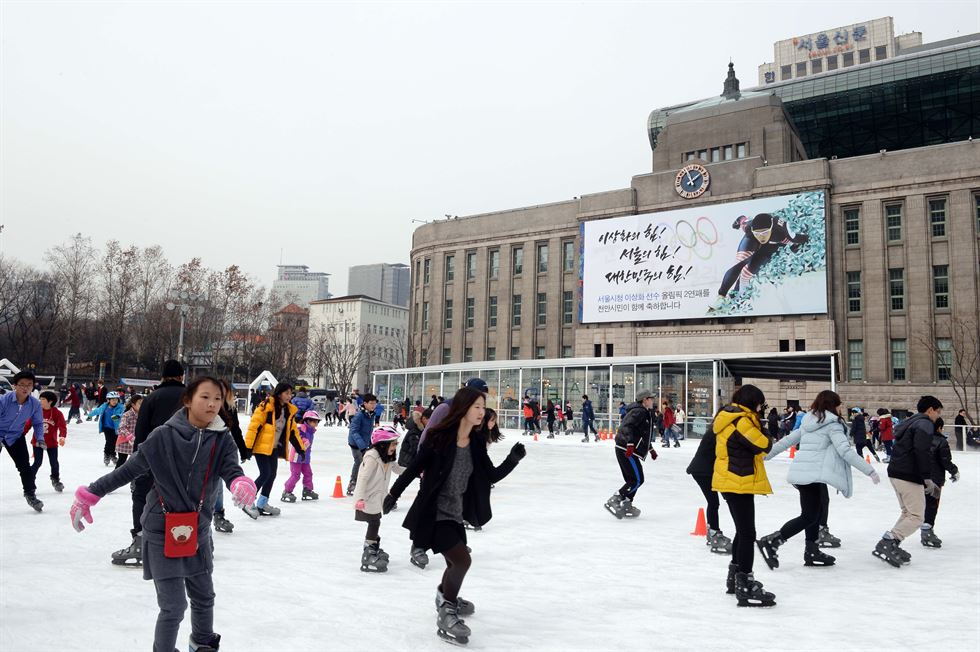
x=756 y=257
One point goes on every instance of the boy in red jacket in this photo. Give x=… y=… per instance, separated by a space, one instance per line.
x=55 y=431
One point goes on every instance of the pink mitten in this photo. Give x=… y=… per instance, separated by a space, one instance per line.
x=81 y=508
x=242 y=491
x=359 y=504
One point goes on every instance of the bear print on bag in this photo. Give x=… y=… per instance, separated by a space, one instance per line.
x=182 y=533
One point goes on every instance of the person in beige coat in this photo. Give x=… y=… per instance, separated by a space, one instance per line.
x=372 y=486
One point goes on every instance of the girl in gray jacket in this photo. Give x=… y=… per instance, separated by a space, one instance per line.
x=824 y=457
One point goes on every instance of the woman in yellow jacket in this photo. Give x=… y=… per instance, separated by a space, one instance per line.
x=739 y=474
x=271 y=430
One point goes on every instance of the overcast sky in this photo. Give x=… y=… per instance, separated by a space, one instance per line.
x=233 y=131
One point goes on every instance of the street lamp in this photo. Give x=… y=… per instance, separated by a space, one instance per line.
x=185 y=303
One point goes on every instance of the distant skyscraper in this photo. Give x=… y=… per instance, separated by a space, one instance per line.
x=297 y=284
x=385 y=282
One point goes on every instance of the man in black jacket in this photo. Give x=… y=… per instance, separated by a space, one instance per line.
x=157 y=408
x=909 y=470
x=632 y=445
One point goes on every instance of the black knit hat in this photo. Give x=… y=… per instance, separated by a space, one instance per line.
x=172 y=369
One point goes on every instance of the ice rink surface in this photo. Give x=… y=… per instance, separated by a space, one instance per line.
x=552 y=571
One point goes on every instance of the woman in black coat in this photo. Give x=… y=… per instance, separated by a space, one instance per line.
x=456 y=477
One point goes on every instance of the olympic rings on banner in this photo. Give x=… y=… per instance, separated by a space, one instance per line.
x=694 y=235
x=701 y=235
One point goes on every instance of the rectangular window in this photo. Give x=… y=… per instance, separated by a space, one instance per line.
x=741 y=150
x=801 y=69
x=448 y=313
x=898 y=359
x=855 y=359
x=832 y=62
x=450 y=267
x=495 y=263
x=542 y=309
x=518 y=259
x=800 y=345
x=864 y=56
x=854 y=292
x=609 y=350
x=783 y=346
x=418 y=271
x=880 y=52
x=896 y=288
x=471 y=265
x=515 y=353
x=689 y=156
x=785 y=72
x=491 y=353
x=816 y=66
x=470 y=312
x=566 y=307
x=515 y=310
x=940 y=285
x=566 y=351
x=944 y=359
x=893 y=221
x=937 y=217
x=539 y=352
x=976 y=199
x=426 y=266
x=852 y=226
x=729 y=152
x=703 y=154
x=542 y=258
x=568 y=254
x=447 y=356
x=597 y=350
x=425 y=315
x=715 y=154
x=848 y=59
x=492 y=312
x=468 y=354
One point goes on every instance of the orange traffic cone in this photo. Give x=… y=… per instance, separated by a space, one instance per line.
x=338 y=488
x=700 y=527
x=867 y=458
x=792 y=452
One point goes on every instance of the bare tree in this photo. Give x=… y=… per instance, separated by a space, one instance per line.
x=345 y=350
x=152 y=279
x=961 y=359
x=116 y=269
x=72 y=266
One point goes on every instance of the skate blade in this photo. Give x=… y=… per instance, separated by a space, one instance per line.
x=818 y=565
x=756 y=605
x=130 y=563
x=771 y=562
x=828 y=545
x=895 y=563
x=418 y=565
x=368 y=569
x=452 y=640
x=721 y=551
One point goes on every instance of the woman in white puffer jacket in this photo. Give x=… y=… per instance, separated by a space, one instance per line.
x=825 y=457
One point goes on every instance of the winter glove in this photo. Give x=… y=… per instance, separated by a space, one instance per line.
x=246 y=454
x=359 y=505
x=630 y=449
x=242 y=491
x=518 y=452
x=81 y=507
x=874 y=477
x=653 y=454
x=61 y=441
x=389 y=502
x=955 y=476
x=931 y=488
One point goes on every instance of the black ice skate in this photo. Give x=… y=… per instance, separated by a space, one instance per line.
x=210 y=646
x=450 y=627
x=768 y=545
x=106 y=460
x=813 y=556
x=628 y=510
x=251 y=511
x=35 y=504
x=309 y=494
x=131 y=556
x=827 y=540
x=615 y=505
x=419 y=558
x=371 y=560
x=730 y=580
x=269 y=510
x=904 y=555
x=719 y=542
x=887 y=550
x=469 y=526
x=929 y=538
x=750 y=593
x=56 y=483
x=288 y=497
x=463 y=607
x=221 y=524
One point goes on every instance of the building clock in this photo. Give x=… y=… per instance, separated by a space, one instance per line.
x=692 y=181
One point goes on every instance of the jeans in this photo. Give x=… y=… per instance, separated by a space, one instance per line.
x=358 y=456
x=742 y=509
x=268 y=466
x=52 y=460
x=813 y=497
x=888 y=448
x=670 y=433
x=22 y=460
x=172 y=597
x=587 y=424
x=219 y=503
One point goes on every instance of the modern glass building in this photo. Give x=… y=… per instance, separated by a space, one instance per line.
x=702 y=384
x=922 y=98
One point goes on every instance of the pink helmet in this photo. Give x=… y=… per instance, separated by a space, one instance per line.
x=311 y=414
x=383 y=433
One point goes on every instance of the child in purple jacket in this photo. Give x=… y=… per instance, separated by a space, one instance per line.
x=299 y=462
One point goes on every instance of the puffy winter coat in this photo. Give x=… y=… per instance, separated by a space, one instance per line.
x=825 y=454
x=886 y=427
x=740 y=446
x=360 y=429
x=910 y=453
x=636 y=429
x=858 y=430
x=303 y=404
x=587 y=412
x=261 y=436
x=703 y=462
x=410 y=444
x=942 y=459
x=372 y=481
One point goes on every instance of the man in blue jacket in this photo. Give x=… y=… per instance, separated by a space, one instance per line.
x=588 y=418
x=359 y=436
x=16 y=408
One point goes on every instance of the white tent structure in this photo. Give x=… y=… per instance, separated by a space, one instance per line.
x=8 y=368
x=264 y=378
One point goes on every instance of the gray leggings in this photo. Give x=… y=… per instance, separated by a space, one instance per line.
x=172 y=602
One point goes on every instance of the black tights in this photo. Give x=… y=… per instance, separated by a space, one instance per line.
x=742 y=509
x=704 y=481
x=814 y=505
x=458 y=562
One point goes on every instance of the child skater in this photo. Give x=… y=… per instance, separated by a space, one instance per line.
x=299 y=464
x=127 y=430
x=109 y=414
x=456 y=476
x=942 y=461
x=188 y=456
x=55 y=431
x=369 y=493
